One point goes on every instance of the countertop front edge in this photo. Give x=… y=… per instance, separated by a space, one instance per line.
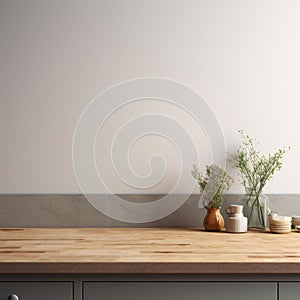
x=149 y=268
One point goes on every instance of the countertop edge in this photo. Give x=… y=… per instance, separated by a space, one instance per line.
x=266 y=268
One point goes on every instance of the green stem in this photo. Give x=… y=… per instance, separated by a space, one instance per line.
x=260 y=214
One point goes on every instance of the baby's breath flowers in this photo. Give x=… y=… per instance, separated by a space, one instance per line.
x=256 y=168
x=214 y=183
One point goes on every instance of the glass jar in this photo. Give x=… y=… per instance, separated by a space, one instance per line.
x=256 y=209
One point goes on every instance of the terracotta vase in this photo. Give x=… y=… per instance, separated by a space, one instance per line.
x=213 y=220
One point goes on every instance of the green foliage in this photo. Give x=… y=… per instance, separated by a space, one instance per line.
x=256 y=168
x=215 y=182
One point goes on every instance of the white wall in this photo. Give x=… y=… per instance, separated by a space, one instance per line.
x=55 y=56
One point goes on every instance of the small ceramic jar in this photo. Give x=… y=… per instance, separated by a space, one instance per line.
x=236 y=222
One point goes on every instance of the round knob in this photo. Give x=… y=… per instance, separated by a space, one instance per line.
x=13 y=297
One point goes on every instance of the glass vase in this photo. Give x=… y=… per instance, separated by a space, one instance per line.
x=256 y=209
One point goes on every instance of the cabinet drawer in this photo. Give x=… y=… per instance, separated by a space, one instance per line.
x=37 y=290
x=289 y=290
x=179 y=290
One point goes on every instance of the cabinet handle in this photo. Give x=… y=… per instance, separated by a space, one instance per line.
x=13 y=297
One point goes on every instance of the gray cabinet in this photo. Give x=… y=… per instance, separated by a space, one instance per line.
x=289 y=290
x=36 y=290
x=179 y=290
x=150 y=287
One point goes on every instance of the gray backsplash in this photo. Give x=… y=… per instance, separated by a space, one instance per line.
x=73 y=210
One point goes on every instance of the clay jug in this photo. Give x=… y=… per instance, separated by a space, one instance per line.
x=213 y=220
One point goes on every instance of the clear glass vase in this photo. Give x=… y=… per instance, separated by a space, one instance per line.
x=256 y=209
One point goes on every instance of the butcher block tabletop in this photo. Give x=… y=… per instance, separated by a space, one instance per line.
x=146 y=251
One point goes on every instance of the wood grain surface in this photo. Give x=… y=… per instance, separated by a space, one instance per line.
x=124 y=250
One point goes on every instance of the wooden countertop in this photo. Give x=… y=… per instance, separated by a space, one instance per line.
x=145 y=251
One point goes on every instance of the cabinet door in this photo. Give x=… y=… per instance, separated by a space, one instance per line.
x=36 y=290
x=289 y=290
x=179 y=291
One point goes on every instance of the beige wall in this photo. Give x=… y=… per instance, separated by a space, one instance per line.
x=55 y=56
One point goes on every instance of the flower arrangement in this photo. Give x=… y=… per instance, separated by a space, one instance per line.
x=214 y=183
x=256 y=169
